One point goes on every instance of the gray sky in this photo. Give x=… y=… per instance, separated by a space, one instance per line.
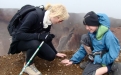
x=111 y=7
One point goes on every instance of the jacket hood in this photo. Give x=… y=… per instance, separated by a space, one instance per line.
x=104 y=20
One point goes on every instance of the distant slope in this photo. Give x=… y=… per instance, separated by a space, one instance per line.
x=6 y=14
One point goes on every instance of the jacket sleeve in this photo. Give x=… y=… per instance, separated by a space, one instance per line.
x=113 y=46
x=79 y=55
x=29 y=20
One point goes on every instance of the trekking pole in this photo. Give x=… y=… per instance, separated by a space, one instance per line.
x=32 y=56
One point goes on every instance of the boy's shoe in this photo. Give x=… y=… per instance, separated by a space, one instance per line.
x=32 y=70
x=116 y=67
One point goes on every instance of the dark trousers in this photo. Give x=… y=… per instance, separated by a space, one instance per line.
x=46 y=51
x=91 y=68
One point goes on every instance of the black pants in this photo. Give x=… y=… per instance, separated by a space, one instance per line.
x=91 y=68
x=46 y=51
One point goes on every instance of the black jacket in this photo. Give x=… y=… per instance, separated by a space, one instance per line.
x=28 y=29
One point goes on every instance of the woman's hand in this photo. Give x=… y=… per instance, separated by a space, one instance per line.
x=62 y=55
x=67 y=62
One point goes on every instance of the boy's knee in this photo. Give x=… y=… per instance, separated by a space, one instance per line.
x=85 y=39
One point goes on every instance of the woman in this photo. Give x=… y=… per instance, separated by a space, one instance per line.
x=100 y=44
x=30 y=34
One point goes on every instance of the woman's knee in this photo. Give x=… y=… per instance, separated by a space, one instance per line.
x=34 y=44
x=51 y=57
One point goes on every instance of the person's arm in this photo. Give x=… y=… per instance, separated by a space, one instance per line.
x=112 y=44
x=22 y=33
x=76 y=58
x=79 y=55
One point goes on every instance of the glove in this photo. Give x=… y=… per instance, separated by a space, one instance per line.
x=52 y=35
x=49 y=38
x=43 y=35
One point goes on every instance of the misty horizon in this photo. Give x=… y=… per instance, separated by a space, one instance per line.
x=111 y=8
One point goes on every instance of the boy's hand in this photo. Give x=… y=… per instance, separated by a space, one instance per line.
x=67 y=62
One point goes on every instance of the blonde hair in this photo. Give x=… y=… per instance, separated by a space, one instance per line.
x=57 y=10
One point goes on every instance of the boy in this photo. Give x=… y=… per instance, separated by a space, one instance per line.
x=100 y=44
